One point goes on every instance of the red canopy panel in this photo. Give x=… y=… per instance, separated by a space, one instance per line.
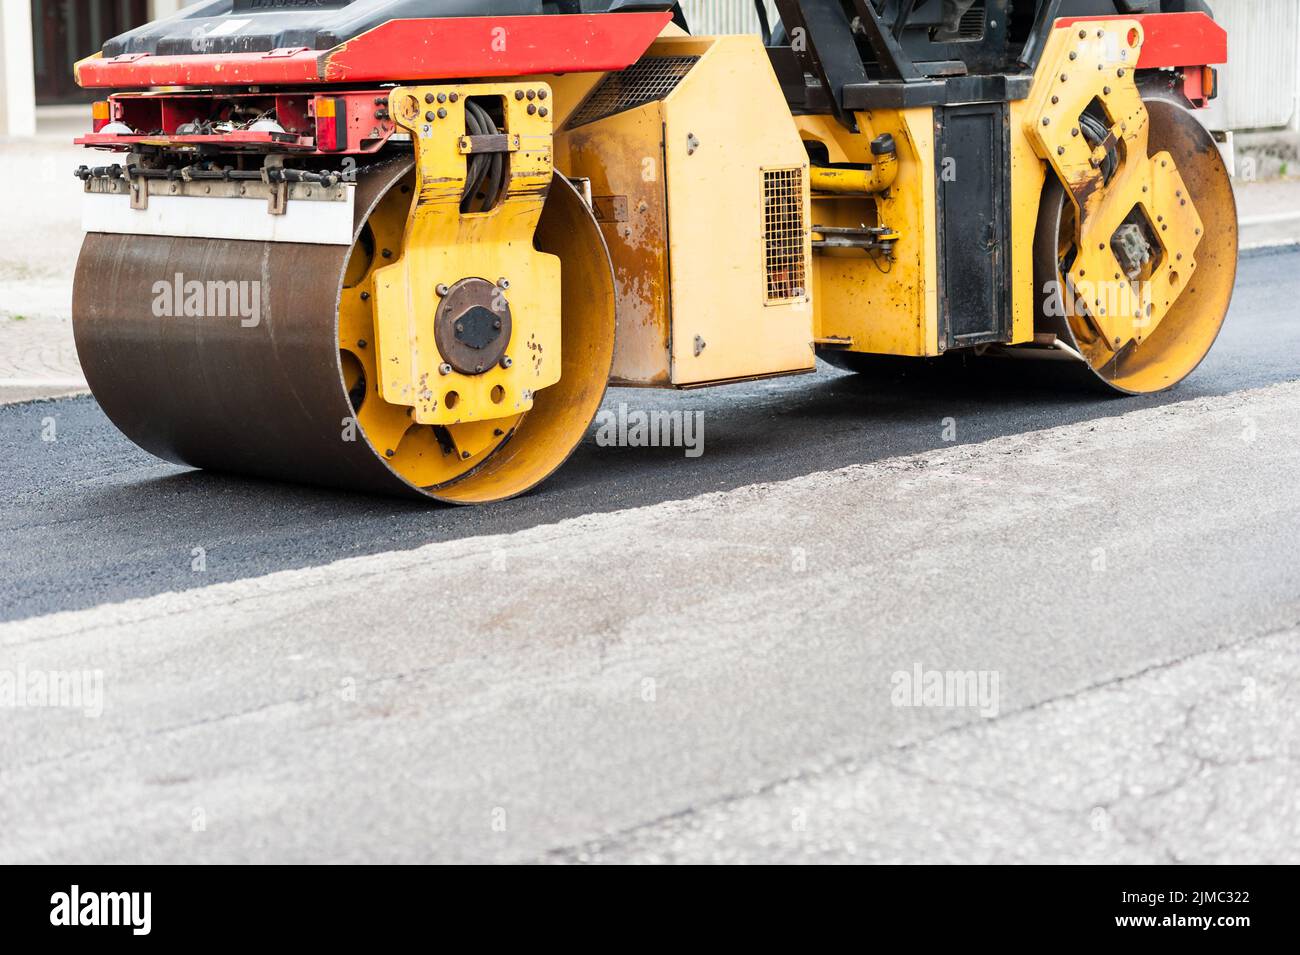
x=405 y=50
x=1173 y=39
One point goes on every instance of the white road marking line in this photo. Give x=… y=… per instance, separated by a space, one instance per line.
x=43 y=383
x=1268 y=219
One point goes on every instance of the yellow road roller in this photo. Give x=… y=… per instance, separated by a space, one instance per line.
x=403 y=246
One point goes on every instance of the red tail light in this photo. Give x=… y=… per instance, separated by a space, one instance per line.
x=101 y=114
x=331 y=123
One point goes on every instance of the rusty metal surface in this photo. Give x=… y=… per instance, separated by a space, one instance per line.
x=224 y=393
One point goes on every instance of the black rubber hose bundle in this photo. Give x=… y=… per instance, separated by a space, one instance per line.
x=486 y=173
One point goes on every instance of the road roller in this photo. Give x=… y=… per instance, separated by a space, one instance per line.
x=404 y=246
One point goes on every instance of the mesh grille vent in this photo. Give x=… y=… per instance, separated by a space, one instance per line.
x=972 y=22
x=643 y=82
x=783 y=234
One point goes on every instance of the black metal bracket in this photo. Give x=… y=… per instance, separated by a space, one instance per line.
x=822 y=40
x=1033 y=48
x=894 y=63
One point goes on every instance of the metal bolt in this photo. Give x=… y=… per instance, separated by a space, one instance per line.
x=532 y=108
x=390 y=452
x=453 y=97
x=428 y=98
x=532 y=94
x=503 y=283
x=464 y=455
x=1075 y=131
x=1105 y=90
x=519 y=94
x=429 y=116
x=387 y=253
x=1060 y=150
x=442 y=97
x=541 y=94
x=441 y=290
x=1047 y=121
x=442 y=113
x=444 y=369
x=1073 y=55
x=506 y=361
x=543 y=111
x=497 y=323
x=361 y=343
x=365 y=296
x=460 y=326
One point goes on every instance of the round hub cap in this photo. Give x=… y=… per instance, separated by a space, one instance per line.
x=472 y=326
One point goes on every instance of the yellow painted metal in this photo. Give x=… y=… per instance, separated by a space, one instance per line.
x=693 y=302
x=725 y=324
x=857 y=180
x=865 y=301
x=441 y=246
x=411 y=449
x=1172 y=350
x=1093 y=62
x=622 y=156
x=479 y=461
x=562 y=413
x=1028 y=173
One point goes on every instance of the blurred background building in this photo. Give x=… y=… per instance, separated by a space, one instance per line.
x=40 y=40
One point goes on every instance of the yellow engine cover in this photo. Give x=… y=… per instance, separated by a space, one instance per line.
x=700 y=182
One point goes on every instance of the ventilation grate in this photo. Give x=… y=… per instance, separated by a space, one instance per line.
x=972 y=22
x=643 y=82
x=783 y=234
x=969 y=27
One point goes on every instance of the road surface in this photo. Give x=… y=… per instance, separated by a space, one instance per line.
x=657 y=657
